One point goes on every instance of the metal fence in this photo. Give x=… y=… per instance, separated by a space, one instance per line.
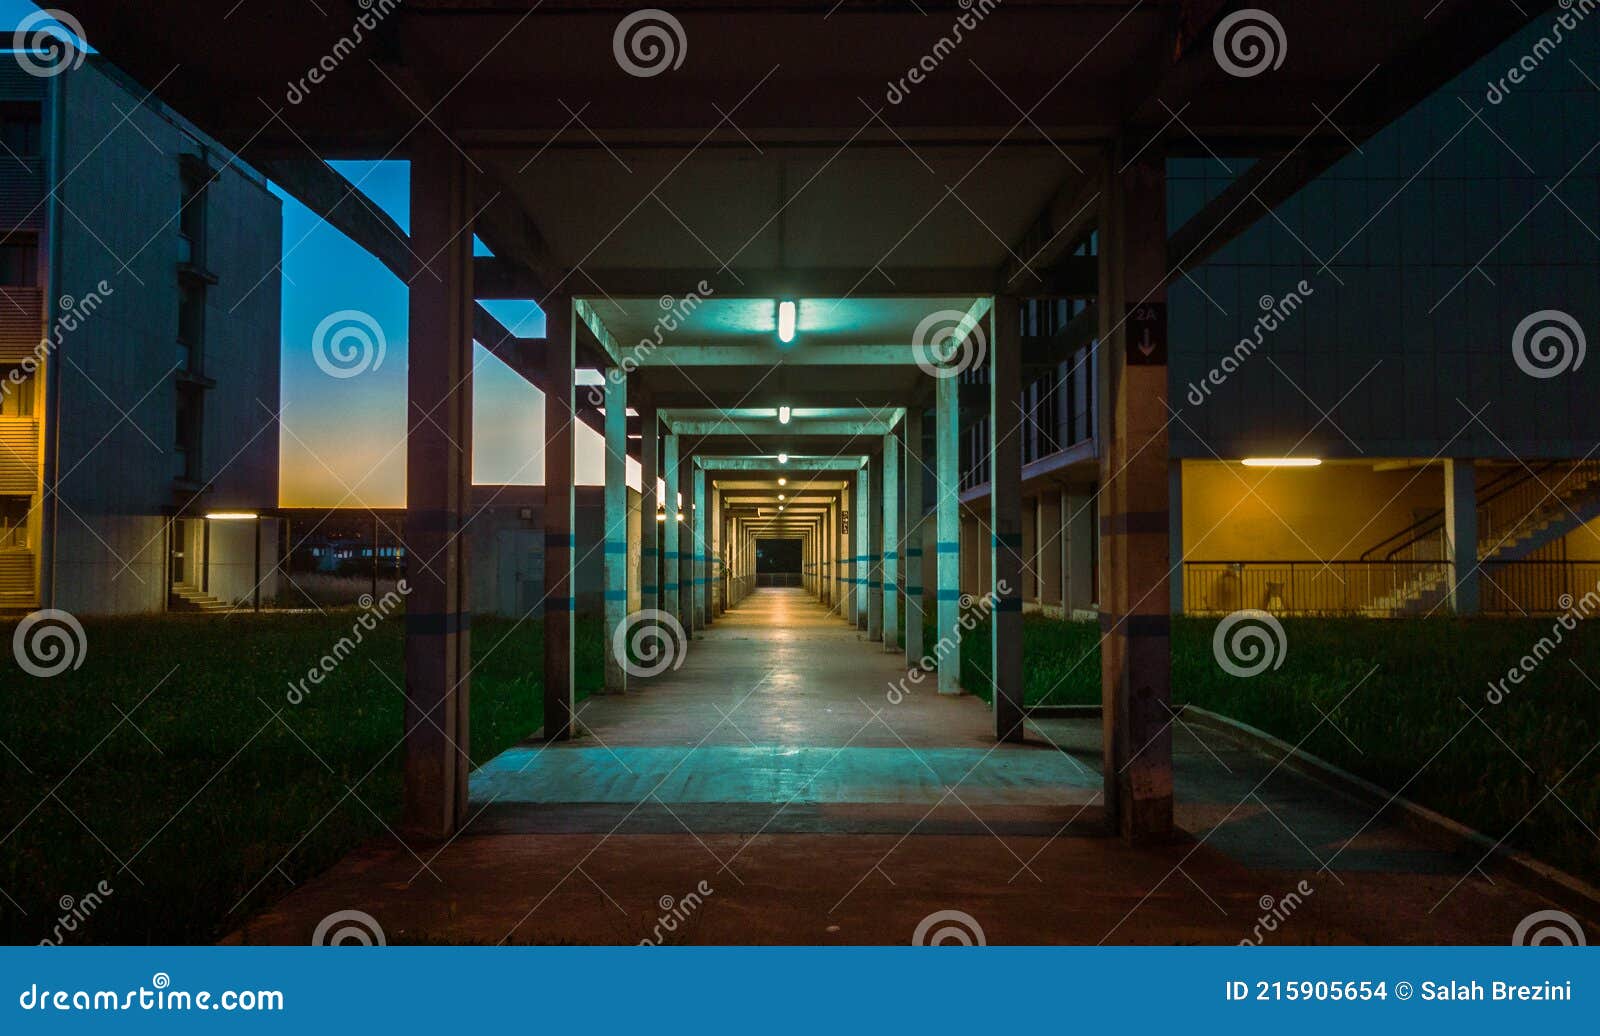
x=1309 y=587
x=790 y=579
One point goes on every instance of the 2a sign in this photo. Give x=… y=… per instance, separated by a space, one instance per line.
x=1147 y=334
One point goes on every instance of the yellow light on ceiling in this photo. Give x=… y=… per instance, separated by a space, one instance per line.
x=1282 y=462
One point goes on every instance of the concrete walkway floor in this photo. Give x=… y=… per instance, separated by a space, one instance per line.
x=774 y=770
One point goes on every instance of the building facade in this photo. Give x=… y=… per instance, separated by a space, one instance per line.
x=1409 y=330
x=139 y=351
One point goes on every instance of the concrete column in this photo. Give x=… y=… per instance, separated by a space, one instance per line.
x=1175 y=533
x=911 y=549
x=1461 y=526
x=876 y=492
x=702 y=555
x=438 y=652
x=560 y=441
x=891 y=541
x=616 y=521
x=1005 y=502
x=719 y=603
x=863 y=538
x=1079 y=516
x=670 y=529
x=1136 y=660
x=649 y=501
x=947 y=505
x=1049 y=535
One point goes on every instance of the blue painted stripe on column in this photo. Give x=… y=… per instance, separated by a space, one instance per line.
x=913 y=589
x=669 y=586
x=651 y=552
x=913 y=552
x=950 y=595
x=617 y=595
x=616 y=546
x=873 y=584
x=648 y=589
x=948 y=547
x=890 y=555
x=671 y=555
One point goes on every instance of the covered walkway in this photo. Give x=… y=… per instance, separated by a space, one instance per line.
x=816 y=810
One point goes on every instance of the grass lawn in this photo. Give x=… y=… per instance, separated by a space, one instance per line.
x=216 y=791
x=1420 y=681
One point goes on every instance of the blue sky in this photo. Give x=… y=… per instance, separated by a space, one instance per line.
x=343 y=438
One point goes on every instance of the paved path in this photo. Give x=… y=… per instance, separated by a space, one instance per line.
x=774 y=768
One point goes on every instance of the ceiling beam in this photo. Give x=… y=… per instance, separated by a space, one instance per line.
x=495 y=278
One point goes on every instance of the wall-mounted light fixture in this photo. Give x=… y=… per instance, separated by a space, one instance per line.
x=786 y=321
x=784 y=413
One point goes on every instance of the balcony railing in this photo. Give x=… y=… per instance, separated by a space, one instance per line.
x=21 y=323
x=19 y=456
x=17 y=584
x=1378 y=588
x=1539 y=587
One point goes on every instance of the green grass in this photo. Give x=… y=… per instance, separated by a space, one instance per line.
x=1426 y=678
x=223 y=794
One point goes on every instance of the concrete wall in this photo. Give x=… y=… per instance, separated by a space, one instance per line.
x=116 y=403
x=1411 y=318
x=507 y=562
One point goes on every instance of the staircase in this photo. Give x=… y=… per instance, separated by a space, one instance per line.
x=190 y=599
x=1519 y=513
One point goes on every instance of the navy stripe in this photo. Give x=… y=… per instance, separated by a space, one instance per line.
x=1138 y=625
x=947 y=547
x=437 y=624
x=559 y=539
x=1136 y=522
x=616 y=595
x=950 y=595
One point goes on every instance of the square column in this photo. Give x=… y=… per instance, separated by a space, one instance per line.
x=1005 y=502
x=891 y=542
x=560 y=462
x=875 y=514
x=1079 y=550
x=1136 y=658
x=1461 y=530
x=438 y=651
x=947 y=506
x=911 y=551
x=1049 y=535
x=670 y=529
x=700 y=552
x=863 y=538
x=649 y=500
x=616 y=521
x=714 y=549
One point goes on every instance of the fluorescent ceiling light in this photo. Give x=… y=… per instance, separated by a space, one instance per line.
x=784 y=413
x=783 y=458
x=233 y=516
x=1281 y=462
x=786 y=321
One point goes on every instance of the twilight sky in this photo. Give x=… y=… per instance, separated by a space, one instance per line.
x=343 y=438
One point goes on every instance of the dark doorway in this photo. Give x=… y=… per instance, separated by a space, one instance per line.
x=775 y=556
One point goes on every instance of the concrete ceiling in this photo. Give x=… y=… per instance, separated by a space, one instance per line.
x=637 y=322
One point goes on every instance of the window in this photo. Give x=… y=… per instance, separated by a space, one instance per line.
x=192 y=214
x=14 y=522
x=19 y=262
x=20 y=129
x=191 y=322
x=187 y=440
x=16 y=392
